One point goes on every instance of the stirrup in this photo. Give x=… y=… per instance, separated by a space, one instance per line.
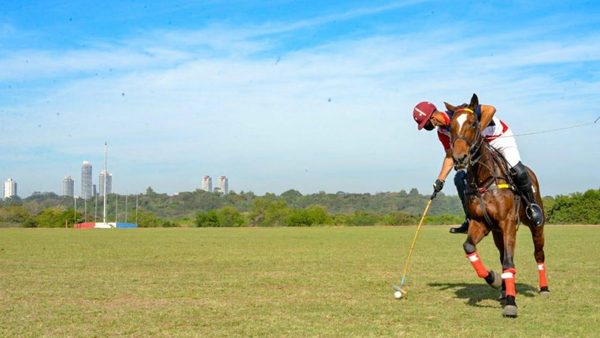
x=535 y=214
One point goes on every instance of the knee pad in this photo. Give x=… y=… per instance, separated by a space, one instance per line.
x=519 y=169
x=520 y=175
x=469 y=248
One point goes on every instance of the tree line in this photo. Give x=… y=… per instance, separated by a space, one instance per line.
x=291 y=208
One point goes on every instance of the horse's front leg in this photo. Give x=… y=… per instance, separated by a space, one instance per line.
x=509 y=233
x=499 y=241
x=477 y=232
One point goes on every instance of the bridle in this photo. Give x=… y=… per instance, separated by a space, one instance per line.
x=473 y=145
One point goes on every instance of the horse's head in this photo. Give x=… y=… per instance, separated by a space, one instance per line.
x=465 y=134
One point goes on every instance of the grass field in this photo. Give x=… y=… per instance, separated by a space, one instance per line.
x=330 y=281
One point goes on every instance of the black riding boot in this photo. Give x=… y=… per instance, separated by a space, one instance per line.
x=523 y=182
x=461 y=183
x=462 y=229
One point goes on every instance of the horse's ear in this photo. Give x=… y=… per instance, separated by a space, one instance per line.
x=474 y=102
x=450 y=107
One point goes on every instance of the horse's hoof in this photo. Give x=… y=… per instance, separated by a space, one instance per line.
x=502 y=297
x=545 y=293
x=497 y=282
x=510 y=311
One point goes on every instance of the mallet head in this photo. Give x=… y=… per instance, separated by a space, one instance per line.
x=399 y=293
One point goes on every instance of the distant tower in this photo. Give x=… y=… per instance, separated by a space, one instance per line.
x=108 y=183
x=10 y=188
x=68 y=187
x=224 y=184
x=86 y=180
x=207 y=183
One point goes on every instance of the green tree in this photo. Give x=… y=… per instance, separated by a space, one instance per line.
x=147 y=219
x=52 y=218
x=268 y=212
x=362 y=218
x=13 y=215
x=576 y=208
x=399 y=218
x=14 y=200
x=207 y=219
x=229 y=217
x=291 y=197
x=313 y=215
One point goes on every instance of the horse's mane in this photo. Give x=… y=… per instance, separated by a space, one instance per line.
x=500 y=169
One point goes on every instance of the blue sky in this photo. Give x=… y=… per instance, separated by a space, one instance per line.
x=289 y=94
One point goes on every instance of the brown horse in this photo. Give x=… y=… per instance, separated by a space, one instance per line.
x=493 y=203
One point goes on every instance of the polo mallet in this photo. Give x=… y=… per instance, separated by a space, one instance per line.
x=399 y=291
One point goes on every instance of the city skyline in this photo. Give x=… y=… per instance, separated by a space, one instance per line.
x=307 y=96
x=68 y=185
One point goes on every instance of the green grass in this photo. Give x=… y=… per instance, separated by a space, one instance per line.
x=331 y=281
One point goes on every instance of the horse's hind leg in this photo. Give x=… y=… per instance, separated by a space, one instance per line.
x=476 y=233
x=538 y=244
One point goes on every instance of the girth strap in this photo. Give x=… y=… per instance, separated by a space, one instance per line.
x=479 y=191
x=492 y=186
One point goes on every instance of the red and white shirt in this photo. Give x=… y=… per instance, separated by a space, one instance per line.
x=495 y=129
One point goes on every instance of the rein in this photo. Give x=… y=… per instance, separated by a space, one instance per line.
x=475 y=164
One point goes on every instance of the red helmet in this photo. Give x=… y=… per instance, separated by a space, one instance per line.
x=422 y=113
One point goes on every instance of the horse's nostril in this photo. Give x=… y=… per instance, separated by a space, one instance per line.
x=460 y=159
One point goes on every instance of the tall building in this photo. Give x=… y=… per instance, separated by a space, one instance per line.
x=207 y=183
x=103 y=174
x=86 y=180
x=224 y=184
x=68 y=187
x=10 y=188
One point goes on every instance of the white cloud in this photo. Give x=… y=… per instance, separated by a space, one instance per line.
x=200 y=102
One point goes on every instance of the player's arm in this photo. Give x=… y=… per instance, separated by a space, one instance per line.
x=487 y=113
x=447 y=165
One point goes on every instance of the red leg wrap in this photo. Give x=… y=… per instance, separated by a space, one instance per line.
x=542 y=272
x=508 y=276
x=478 y=264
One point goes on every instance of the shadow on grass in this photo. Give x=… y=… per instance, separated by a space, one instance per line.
x=476 y=292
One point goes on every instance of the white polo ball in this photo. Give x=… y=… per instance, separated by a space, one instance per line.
x=397 y=294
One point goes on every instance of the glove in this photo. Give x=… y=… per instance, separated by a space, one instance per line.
x=437 y=186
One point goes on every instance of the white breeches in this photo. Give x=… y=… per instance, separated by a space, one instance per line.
x=507 y=145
